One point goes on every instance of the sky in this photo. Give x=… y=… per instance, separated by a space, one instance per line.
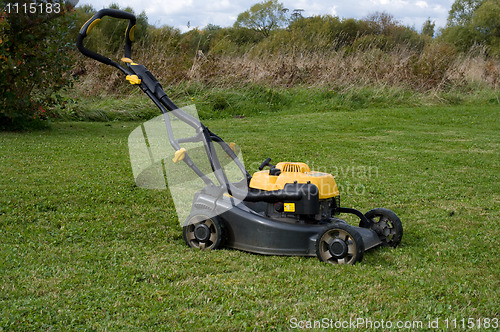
x=186 y=14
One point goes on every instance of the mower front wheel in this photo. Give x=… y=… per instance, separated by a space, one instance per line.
x=340 y=243
x=386 y=224
x=203 y=232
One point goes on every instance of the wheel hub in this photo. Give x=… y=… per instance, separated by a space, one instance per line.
x=202 y=232
x=338 y=248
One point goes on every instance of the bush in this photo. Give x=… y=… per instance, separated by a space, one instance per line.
x=35 y=60
x=431 y=67
x=474 y=22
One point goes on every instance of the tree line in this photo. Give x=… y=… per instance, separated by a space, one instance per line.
x=269 y=27
x=37 y=50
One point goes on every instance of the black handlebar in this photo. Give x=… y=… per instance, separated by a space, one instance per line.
x=266 y=162
x=87 y=27
x=138 y=74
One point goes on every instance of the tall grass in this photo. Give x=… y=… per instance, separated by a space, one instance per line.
x=249 y=84
x=271 y=77
x=436 y=67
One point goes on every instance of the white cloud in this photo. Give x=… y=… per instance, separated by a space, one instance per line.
x=334 y=11
x=224 y=12
x=168 y=7
x=221 y=5
x=389 y=3
x=422 y=4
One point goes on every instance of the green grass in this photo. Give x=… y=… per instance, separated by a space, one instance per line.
x=83 y=248
x=253 y=99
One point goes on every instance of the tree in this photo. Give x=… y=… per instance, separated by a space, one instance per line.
x=381 y=23
x=315 y=33
x=297 y=14
x=428 y=27
x=473 y=22
x=461 y=12
x=486 y=20
x=263 y=17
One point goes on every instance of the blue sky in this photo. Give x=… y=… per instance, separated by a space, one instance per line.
x=224 y=12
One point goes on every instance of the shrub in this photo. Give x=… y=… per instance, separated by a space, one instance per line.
x=432 y=65
x=473 y=22
x=34 y=64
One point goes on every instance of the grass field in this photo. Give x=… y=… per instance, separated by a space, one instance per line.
x=83 y=248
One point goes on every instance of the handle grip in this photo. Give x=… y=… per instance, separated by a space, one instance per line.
x=266 y=162
x=89 y=25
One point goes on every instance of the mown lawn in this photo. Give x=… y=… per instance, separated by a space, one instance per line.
x=83 y=248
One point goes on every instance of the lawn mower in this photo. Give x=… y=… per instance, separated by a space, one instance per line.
x=282 y=209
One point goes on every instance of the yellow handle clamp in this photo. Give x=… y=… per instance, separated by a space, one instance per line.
x=232 y=145
x=133 y=79
x=128 y=60
x=179 y=155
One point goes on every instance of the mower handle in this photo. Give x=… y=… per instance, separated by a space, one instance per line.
x=265 y=163
x=129 y=35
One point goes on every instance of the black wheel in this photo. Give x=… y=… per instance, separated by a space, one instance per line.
x=386 y=224
x=340 y=244
x=203 y=232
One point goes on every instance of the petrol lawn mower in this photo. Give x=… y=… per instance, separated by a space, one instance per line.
x=282 y=209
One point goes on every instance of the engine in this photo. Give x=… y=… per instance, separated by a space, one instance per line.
x=319 y=193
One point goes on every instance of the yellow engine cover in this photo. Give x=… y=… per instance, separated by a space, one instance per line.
x=291 y=172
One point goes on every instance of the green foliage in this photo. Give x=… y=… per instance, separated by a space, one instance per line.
x=461 y=12
x=316 y=33
x=263 y=17
x=197 y=40
x=473 y=22
x=365 y=43
x=310 y=28
x=162 y=40
x=34 y=62
x=381 y=23
x=352 y=29
x=326 y=34
x=384 y=24
x=247 y=100
x=486 y=20
x=235 y=40
x=428 y=28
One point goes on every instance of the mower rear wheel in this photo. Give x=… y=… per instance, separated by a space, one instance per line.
x=340 y=244
x=203 y=232
x=386 y=224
